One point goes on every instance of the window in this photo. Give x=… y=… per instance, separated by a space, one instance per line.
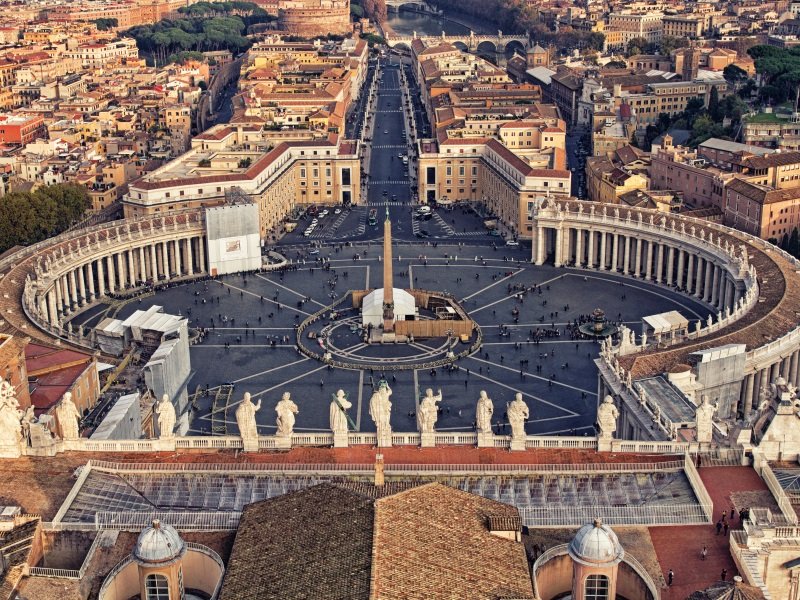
x=596 y=587
x=156 y=587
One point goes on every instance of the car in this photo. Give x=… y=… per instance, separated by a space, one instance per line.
x=400 y=155
x=385 y=131
x=422 y=234
x=315 y=251
x=307 y=233
x=512 y=243
x=337 y=211
x=494 y=233
x=384 y=193
x=324 y=213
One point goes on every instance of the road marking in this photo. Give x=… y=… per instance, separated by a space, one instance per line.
x=266 y=299
x=510 y=297
x=262 y=392
x=288 y=289
x=297 y=362
x=528 y=374
x=480 y=291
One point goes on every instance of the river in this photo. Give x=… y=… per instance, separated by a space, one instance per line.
x=407 y=22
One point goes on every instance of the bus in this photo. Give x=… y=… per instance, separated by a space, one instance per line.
x=373 y=216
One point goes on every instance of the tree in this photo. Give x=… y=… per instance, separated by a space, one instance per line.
x=105 y=24
x=734 y=75
x=713 y=104
x=794 y=243
x=596 y=40
x=668 y=44
x=635 y=46
x=616 y=64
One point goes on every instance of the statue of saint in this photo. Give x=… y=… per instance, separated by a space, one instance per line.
x=286 y=410
x=703 y=417
x=428 y=412
x=518 y=413
x=28 y=419
x=68 y=417
x=10 y=415
x=338 y=412
x=166 y=418
x=484 y=412
x=380 y=408
x=607 y=415
x=246 y=418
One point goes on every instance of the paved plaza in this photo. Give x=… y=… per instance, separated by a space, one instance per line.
x=250 y=339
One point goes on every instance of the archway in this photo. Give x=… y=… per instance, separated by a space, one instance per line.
x=513 y=47
x=461 y=46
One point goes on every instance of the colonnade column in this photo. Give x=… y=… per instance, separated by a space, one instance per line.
x=81 y=285
x=90 y=281
x=101 y=279
x=190 y=258
x=131 y=268
x=670 y=265
x=649 y=266
x=681 y=265
x=660 y=263
x=749 y=383
x=153 y=263
x=698 y=284
x=111 y=277
x=120 y=271
x=73 y=288
x=615 y=254
x=51 y=307
x=178 y=258
x=539 y=248
x=201 y=255
x=59 y=298
x=578 y=248
x=626 y=259
x=637 y=262
x=164 y=261
x=603 y=250
x=715 y=285
x=590 y=264
x=793 y=367
x=689 y=273
x=142 y=265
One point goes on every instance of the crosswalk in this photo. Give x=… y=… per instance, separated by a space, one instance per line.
x=388 y=203
x=389 y=182
x=443 y=224
x=389 y=146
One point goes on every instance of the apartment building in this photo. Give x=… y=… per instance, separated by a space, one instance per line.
x=21 y=129
x=637 y=25
x=687 y=26
x=770 y=131
x=98 y=55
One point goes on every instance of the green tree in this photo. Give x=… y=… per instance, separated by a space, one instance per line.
x=713 y=104
x=734 y=75
x=105 y=24
x=596 y=40
x=794 y=243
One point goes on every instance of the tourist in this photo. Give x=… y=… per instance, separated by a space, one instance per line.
x=703 y=553
x=670 y=577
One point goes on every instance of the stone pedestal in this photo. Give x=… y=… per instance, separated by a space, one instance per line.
x=341 y=440
x=485 y=440
x=10 y=450
x=604 y=443
x=283 y=442
x=250 y=444
x=385 y=439
x=518 y=443
x=428 y=440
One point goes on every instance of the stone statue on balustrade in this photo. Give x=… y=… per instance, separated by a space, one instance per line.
x=428 y=411
x=10 y=421
x=166 y=418
x=68 y=416
x=607 y=415
x=286 y=410
x=380 y=410
x=338 y=412
x=483 y=413
x=703 y=417
x=246 y=421
x=518 y=413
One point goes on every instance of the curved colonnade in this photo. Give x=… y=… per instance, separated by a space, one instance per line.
x=751 y=285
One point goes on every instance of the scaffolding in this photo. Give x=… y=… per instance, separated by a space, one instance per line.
x=219 y=409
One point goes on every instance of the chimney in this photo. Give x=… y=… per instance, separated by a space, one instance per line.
x=378 y=469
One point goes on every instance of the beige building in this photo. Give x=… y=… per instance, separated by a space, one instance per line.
x=636 y=25
x=290 y=174
x=686 y=26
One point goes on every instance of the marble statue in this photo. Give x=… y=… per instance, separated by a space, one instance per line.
x=428 y=412
x=484 y=412
x=709 y=321
x=380 y=409
x=628 y=381
x=338 y=412
x=607 y=415
x=166 y=418
x=28 y=419
x=518 y=413
x=286 y=410
x=246 y=418
x=10 y=415
x=68 y=417
x=703 y=418
x=644 y=339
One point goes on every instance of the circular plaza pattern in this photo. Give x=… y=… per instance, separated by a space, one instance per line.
x=631 y=264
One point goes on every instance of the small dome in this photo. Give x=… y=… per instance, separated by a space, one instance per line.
x=158 y=544
x=595 y=544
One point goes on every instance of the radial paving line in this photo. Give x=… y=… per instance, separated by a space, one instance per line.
x=288 y=289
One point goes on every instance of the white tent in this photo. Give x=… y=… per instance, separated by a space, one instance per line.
x=372 y=307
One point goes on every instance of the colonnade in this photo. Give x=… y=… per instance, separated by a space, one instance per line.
x=660 y=260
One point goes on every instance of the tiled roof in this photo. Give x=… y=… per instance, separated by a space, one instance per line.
x=772 y=160
x=315 y=544
x=434 y=542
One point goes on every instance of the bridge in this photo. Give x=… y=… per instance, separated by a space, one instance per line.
x=499 y=44
x=417 y=5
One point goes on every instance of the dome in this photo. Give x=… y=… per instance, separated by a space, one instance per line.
x=595 y=544
x=158 y=544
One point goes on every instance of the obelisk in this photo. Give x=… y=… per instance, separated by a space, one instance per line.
x=388 y=283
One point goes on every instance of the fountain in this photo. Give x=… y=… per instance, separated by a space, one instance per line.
x=598 y=327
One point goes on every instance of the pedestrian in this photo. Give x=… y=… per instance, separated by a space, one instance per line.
x=724 y=574
x=703 y=553
x=725 y=527
x=733 y=514
x=719 y=527
x=670 y=577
